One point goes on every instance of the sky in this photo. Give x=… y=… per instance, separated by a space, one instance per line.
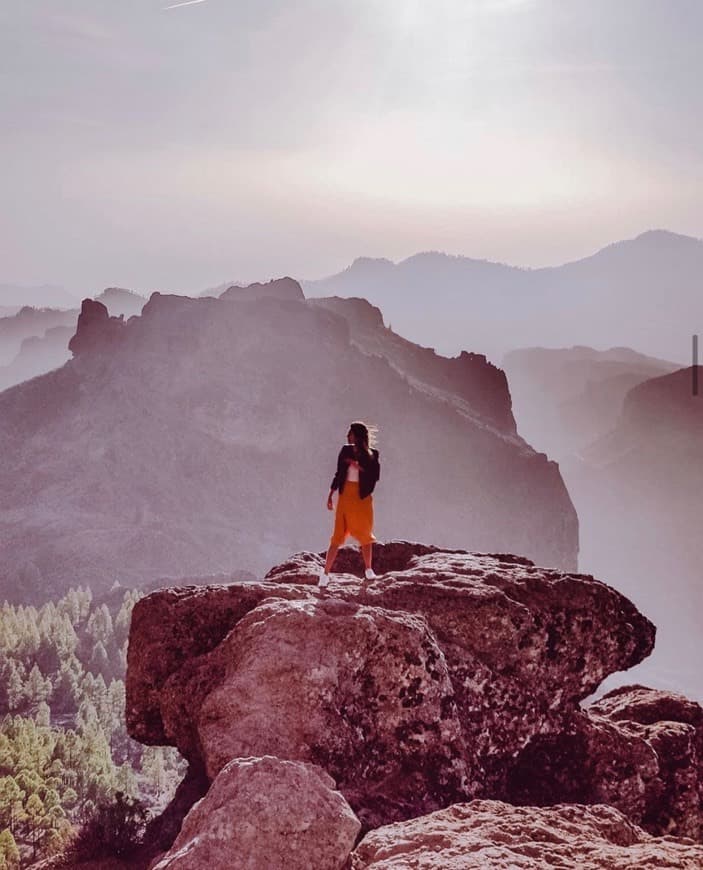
x=178 y=148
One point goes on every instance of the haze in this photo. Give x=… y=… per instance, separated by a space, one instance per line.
x=176 y=148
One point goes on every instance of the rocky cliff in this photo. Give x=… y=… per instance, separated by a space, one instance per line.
x=201 y=437
x=565 y=398
x=453 y=682
x=639 y=490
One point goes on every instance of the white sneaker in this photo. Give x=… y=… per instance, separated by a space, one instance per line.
x=370 y=574
x=323 y=580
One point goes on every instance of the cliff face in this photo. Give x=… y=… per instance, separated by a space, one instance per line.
x=453 y=677
x=202 y=437
x=639 y=491
x=564 y=398
x=473 y=385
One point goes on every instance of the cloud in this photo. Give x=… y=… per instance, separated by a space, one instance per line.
x=185 y=3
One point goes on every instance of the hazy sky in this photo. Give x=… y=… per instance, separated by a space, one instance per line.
x=176 y=148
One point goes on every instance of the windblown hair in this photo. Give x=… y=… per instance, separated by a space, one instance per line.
x=364 y=435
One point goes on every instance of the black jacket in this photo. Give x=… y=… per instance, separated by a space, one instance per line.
x=369 y=470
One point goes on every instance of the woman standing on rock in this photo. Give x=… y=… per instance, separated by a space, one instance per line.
x=358 y=469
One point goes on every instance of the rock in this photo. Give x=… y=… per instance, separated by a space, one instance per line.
x=266 y=813
x=516 y=637
x=673 y=727
x=174 y=632
x=415 y=690
x=279 y=288
x=96 y=330
x=361 y=691
x=469 y=380
x=490 y=835
x=589 y=761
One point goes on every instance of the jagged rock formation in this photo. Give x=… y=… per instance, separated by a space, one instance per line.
x=672 y=725
x=489 y=835
x=453 y=676
x=475 y=386
x=96 y=330
x=34 y=341
x=279 y=288
x=266 y=813
x=180 y=439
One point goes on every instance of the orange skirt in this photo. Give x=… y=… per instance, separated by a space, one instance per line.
x=354 y=517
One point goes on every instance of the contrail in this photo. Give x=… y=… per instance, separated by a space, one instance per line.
x=184 y=3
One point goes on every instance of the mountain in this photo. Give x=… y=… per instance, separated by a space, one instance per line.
x=643 y=292
x=47 y=295
x=202 y=436
x=638 y=490
x=29 y=322
x=564 y=398
x=38 y=354
x=35 y=340
x=118 y=301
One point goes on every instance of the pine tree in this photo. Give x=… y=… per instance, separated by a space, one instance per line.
x=9 y=853
x=37 y=688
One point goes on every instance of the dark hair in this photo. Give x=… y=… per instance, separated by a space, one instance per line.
x=363 y=435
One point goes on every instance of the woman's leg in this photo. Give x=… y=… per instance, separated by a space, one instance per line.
x=367 y=551
x=331 y=556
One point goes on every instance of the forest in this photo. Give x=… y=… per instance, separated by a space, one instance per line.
x=65 y=755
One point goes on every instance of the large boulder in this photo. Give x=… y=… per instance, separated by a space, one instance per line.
x=672 y=726
x=265 y=813
x=415 y=690
x=361 y=691
x=636 y=749
x=490 y=835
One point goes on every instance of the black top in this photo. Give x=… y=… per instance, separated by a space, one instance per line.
x=369 y=470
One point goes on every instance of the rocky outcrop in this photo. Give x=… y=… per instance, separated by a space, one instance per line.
x=413 y=691
x=180 y=439
x=472 y=384
x=589 y=760
x=96 y=330
x=362 y=691
x=279 y=288
x=488 y=834
x=266 y=813
x=672 y=726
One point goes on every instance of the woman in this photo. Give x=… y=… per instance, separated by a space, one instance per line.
x=358 y=469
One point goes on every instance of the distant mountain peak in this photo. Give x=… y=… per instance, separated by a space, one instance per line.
x=661 y=235
x=278 y=288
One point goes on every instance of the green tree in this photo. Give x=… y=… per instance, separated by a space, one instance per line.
x=11 y=798
x=9 y=853
x=43 y=715
x=37 y=688
x=99 y=661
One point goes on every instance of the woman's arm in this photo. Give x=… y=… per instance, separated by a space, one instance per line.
x=341 y=472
